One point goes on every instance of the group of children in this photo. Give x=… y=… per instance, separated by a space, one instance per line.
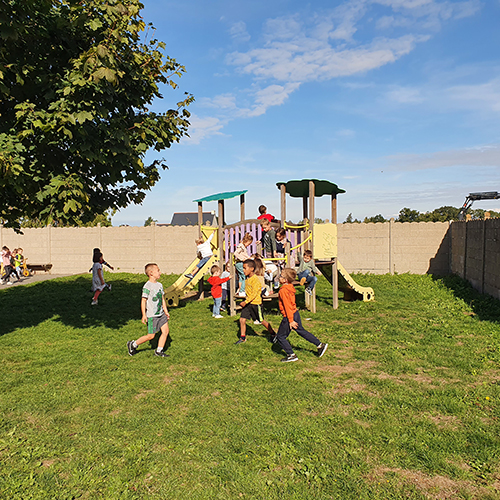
x=252 y=272
x=11 y=265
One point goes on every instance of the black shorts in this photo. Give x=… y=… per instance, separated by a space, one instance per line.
x=252 y=311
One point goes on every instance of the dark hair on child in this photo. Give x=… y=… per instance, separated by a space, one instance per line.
x=281 y=231
x=262 y=209
x=214 y=268
x=96 y=257
x=308 y=253
x=250 y=263
x=259 y=265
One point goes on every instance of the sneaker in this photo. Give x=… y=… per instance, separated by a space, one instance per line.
x=109 y=287
x=190 y=276
x=322 y=349
x=94 y=302
x=131 y=349
x=256 y=322
x=218 y=316
x=240 y=340
x=2 y=282
x=161 y=354
x=302 y=281
x=309 y=291
x=290 y=358
x=273 y=339
x=9 y=283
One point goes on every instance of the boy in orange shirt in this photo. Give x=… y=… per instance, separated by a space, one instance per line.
x=291 y=318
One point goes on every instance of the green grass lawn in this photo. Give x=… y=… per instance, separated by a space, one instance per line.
x=404 y=404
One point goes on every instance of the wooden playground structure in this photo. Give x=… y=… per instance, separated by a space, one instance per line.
x=321 y=239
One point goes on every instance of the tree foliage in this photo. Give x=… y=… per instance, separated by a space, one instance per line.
x=375 y=218
x=77 y=78
x=149 y=221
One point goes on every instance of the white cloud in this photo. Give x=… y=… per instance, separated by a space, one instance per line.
x=481 y=96
x=222 y=101
x=273 y=95
x=405 y=95
x=201 y=128
x=481 y=156
x=238 y=32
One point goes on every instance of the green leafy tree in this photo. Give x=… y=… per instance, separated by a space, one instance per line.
x=76 y=83
x=441 y=214
x=149 y=221
x=350 y=220
x=409 y=215
x=375 y=218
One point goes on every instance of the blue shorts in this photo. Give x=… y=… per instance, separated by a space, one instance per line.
x=202 y=262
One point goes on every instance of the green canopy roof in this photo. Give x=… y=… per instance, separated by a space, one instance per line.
x=222 y=196
x=300 y=189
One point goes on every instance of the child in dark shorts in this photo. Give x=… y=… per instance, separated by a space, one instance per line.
x=291 y=318
x=252 y=306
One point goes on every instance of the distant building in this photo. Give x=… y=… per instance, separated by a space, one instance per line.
x=191 y=219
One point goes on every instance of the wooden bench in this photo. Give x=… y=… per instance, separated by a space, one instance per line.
x=40 y=267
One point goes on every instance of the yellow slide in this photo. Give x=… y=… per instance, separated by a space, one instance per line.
x=183 y=285
x=352 y=291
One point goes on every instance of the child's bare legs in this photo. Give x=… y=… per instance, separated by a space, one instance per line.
x=243 y=327
x=96 y=296
x=146 y=338
x=163 y=337
x=268 y=327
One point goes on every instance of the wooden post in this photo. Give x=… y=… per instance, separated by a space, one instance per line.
x=200 y=217
x=312 y=194
x=335 y=284
x=283 y=204
x=242 y=207
x=232 y=290
x=334 y=209
x=220 y=236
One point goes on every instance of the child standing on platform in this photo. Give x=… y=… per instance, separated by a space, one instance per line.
x=268 y=239
x=264 y=215
x=216 y=282
x=240 y=256
x=154 y=313
x=252 y=306
x=291 y=318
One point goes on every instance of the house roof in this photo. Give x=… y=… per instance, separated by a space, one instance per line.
x=191 y=218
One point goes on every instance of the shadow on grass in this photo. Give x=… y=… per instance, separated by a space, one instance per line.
x=486 y=307
x=69 y=301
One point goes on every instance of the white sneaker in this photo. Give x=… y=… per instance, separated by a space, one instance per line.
x=9 y=283
x=256 y=322
x=218 y=316
x=94 y=302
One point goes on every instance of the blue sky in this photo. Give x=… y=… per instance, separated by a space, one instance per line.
x=395 y=101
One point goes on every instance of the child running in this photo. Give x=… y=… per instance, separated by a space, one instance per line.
x=98 y=283
x=291 y=318
x=216 y=282
x=154 y=312
x=252 y=306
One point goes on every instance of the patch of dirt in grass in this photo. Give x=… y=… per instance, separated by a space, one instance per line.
x=48 y=463
x=143 y=394
x=424 y=379
x=361 y=423
x=449 y=422
x=347 y=387
x=114 y=413
x=336 y=370
x=433 y=487
x=386 y=376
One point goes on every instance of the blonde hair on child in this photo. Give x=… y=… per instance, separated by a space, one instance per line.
x=199 y=241
x=289 y=274
x=248 y=238
x=265 y=222
x=149 y=267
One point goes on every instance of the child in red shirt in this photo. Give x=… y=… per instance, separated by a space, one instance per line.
x=216 y=281
x=291 y=318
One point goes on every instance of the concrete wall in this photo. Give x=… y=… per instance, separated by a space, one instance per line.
x=469 y=249
x=394 y=247
x=128 y=249
x=476 y=254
